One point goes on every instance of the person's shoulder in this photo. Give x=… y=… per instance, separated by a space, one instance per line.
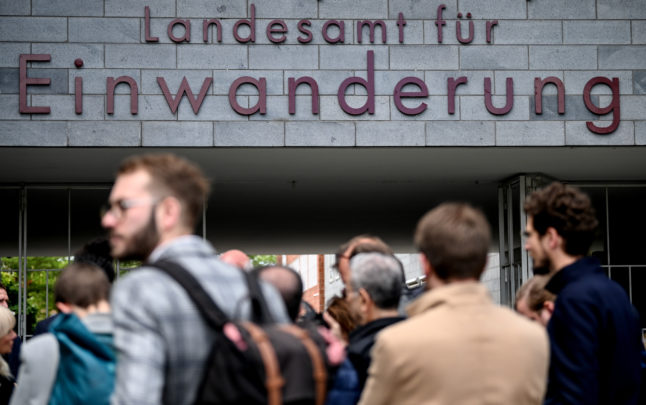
x=39 y=346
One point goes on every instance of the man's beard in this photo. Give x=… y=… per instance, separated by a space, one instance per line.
x=142 y=243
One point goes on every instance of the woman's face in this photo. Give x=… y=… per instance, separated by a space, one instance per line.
x=6 y=342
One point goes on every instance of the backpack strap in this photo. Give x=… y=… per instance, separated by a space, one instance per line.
x=259 y=309
x=318 y=365
x=209 y=310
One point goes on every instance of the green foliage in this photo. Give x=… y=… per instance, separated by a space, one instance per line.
x=37 y=291
x=262 y=260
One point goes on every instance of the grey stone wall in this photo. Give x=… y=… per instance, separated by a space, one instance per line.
x=573 y=41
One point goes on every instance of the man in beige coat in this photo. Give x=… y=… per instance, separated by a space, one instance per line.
x=458 y=347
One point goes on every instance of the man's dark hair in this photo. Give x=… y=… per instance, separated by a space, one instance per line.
x=97 y=252
x=174 y=176
x=455 y=239
x=288 y=283
x=363 y=244
x=569 y=211
x=82 y=284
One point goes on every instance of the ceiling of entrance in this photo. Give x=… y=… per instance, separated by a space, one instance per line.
x=298 y=200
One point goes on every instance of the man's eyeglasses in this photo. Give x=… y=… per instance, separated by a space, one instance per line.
x=118 y=208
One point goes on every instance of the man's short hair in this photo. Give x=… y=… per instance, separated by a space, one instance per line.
x=173 y=176
x=364 y=243
x=82 y=285
x=288 y=283
x=380 y=275
x=97 y=251
x=537 y=294
x=566 y=209
x=454 y=238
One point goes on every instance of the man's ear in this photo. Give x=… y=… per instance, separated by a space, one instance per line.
x=554 y=240
x=64 y=307
x=170 y=212
x=364 y=296
x=549 y=306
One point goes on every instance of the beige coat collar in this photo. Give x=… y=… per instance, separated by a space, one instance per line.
x=453 y=294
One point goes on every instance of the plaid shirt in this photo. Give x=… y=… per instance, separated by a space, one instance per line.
x=161 y=340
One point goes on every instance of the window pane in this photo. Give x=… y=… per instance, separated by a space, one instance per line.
x=599 y=248
x=626 y=224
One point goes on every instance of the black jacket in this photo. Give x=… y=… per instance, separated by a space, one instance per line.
x=595 y=339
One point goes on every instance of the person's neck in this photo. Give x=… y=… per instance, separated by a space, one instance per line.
x=378 y=313
x=560 y=260
x=101 y=306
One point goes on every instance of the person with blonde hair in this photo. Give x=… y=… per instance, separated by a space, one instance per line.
x=535 y=302
x=7 y=336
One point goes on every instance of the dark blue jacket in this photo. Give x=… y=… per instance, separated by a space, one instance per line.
x=595 y=339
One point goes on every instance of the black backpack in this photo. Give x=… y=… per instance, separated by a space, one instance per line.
x=269 y=363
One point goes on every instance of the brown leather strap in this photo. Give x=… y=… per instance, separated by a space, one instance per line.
x=274 y=381
x=318 y=365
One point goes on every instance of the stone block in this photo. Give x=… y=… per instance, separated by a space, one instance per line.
x=278 y=109
x=639 y=32
x=523 y=81
x=15 y=8
x=640 y=132
x=286 y=9
x=530 y=134
x=472 y=108
x=104 y=30
x=463 y=133
x=9 y=81
x=67 y=8
x=173 y=79
x=341 y=9
x=596 y=32
x=499 y=9
x=437 y=81
x=575 y=109
x=62 y=108
x=135 y=8
x=105 y=134
x=64 y=55
x=212 y=56
x=328 y=81
x=177 y=134
x=151 y=108
x=223 y=79
x=9 y=108
x=559 y=9
x=523 y=32
x=632 y=107
x=424 y=57
x=437 y=109
x=575 y=57
x=575 y=81
x=250 y=134
x=283 y=57
x=621 y=9
x=353 y=57
x=390 y=134
x=32 y=133
x=95 y=80
x=319 y=133
x=488 y=57
x=426 y=10
x=10 y=54
x=577 y=133
x=214 y=8
x=33 y=29
x=58 y=82
x=150 y=56
x=331 y=110
x=214 y=108
x=622 y=57
x=639 y=79
x=385 y=82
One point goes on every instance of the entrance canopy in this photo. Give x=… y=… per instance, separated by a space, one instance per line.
x=304 y=200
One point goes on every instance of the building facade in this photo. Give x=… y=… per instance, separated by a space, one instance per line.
x=319 y=120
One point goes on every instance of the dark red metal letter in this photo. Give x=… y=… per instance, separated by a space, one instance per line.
x=25 y=81
x=613 y=107
x=399 y=94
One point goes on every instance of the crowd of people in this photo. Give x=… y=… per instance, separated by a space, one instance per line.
x=573 y=339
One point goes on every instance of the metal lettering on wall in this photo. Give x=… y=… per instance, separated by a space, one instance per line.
x=333 y=32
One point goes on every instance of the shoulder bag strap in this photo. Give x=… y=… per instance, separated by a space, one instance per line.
x=259 y=309
x=212 y=314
